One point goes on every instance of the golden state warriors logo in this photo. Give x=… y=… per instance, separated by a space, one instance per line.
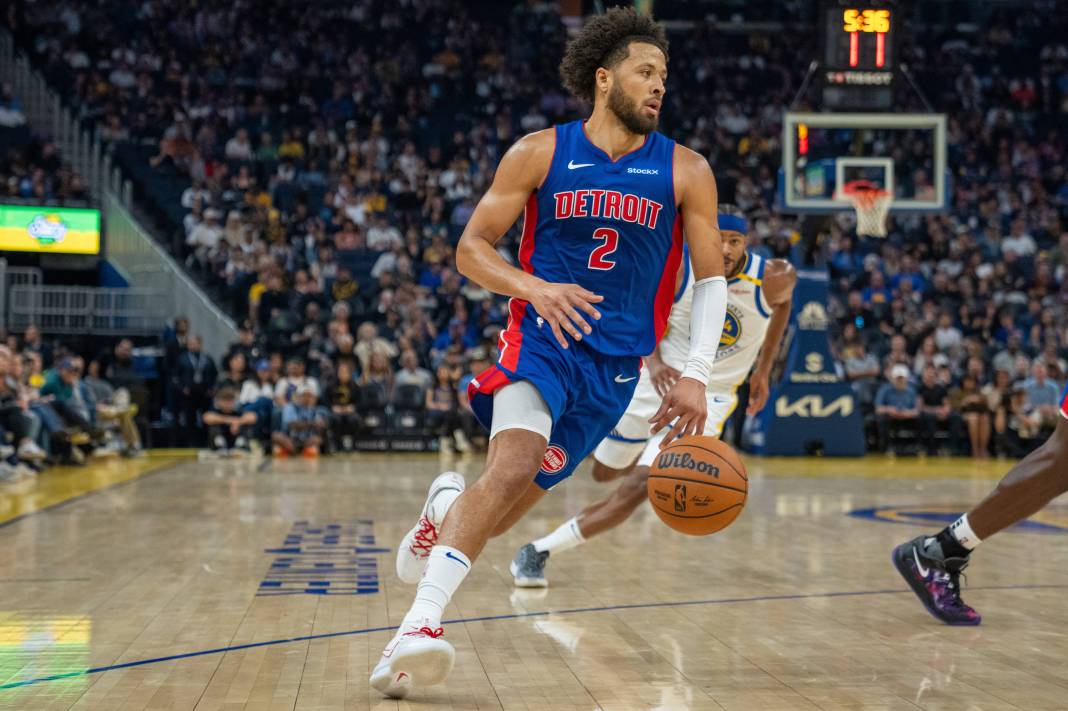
x=732 y=331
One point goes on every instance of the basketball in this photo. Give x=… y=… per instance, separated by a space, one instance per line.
x=698 y=485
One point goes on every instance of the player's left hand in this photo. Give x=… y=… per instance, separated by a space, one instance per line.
x=685 y=408
x=758 y=393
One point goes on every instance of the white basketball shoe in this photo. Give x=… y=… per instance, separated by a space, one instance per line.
x=415 y=547
x=416 y=655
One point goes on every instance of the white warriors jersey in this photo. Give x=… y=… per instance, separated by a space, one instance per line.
x=743 y=329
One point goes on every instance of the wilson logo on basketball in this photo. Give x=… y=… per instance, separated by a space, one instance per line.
x=555 y=459
x=670 y=460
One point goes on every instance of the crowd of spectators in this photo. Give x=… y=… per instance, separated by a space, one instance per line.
x=293 y=404
x=56 y=408
x=31 y=168
x=332 y=158
x=953 y=328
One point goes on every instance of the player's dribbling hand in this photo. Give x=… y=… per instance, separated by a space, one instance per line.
x=758 y=393
x=562 y=306
x=685 y=405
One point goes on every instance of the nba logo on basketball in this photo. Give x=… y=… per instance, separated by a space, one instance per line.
x=680 y=497
x=555 y=459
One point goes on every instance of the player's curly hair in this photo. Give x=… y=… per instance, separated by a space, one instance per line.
x=604 y=42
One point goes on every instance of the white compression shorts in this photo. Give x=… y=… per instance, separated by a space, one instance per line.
x=519 y=406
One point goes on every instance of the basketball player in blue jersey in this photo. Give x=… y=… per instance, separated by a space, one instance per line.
x=603 y=203
x=760 y=293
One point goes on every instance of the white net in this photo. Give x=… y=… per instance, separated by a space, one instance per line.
x=872 y=207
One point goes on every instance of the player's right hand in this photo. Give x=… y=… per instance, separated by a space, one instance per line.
x=562 y=306
x=663 y=375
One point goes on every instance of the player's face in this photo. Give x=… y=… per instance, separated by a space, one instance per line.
x=638 y=88
x=734 y=244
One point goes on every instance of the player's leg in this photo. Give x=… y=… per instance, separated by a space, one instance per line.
x=615 y=455
x=517 y=406
x=514 y=459
x=519 y=509
x=932 y=564
x=603 y=473
x=457 y=524
x=528 y=567
x=617 y=508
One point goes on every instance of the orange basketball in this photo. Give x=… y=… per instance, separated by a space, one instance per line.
x=698 y=485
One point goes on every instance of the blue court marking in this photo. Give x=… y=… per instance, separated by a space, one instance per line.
x=918 y=515
x=493 y=618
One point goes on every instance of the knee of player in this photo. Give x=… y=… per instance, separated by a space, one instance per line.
x=633 y=489
x=603 y=472
x=1055 y=452
x=514 y=459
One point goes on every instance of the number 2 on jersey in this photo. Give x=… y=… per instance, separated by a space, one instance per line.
x=611 y=242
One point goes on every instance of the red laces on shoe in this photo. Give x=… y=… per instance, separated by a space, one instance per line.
x=426 y=631
x=424 y=538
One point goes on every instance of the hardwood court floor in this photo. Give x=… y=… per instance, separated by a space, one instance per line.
x=223 y=586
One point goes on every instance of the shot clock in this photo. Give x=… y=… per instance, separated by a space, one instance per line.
x=859 y=53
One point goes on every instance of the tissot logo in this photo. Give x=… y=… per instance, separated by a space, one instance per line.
x=644 y=171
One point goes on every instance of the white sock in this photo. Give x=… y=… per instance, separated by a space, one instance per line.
x=446 y=568
x=962 y=531
x=567 y=536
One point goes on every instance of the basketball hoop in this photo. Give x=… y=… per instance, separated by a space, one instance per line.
x=872 y=205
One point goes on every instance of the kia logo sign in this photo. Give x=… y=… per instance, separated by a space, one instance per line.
x=813 y=406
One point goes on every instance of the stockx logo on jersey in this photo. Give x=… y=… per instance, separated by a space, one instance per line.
x=607 y=204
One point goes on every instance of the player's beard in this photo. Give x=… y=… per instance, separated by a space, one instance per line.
x=629 y=113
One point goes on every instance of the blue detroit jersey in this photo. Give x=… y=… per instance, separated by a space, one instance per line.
x=612 y=227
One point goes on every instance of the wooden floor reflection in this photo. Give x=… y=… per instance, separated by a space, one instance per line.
x=241 y=585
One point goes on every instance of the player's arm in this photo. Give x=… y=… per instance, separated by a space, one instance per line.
x=520 y=173
x=780 y=277
x=662 y=375
x=685 y=405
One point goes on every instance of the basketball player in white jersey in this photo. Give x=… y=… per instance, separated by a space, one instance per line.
x=758 y=310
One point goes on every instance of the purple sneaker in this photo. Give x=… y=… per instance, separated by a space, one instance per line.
x=935 y=581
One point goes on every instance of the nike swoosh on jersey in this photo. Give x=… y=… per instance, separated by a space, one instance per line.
x=571 y=165
x=621 y=379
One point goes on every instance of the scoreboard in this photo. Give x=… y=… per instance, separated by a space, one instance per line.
x=859 y=55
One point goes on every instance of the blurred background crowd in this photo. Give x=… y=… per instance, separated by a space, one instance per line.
x=314 y=171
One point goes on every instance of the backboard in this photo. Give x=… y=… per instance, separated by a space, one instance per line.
x=905 y=153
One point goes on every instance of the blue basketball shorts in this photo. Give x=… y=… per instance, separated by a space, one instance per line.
x=586 y=392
